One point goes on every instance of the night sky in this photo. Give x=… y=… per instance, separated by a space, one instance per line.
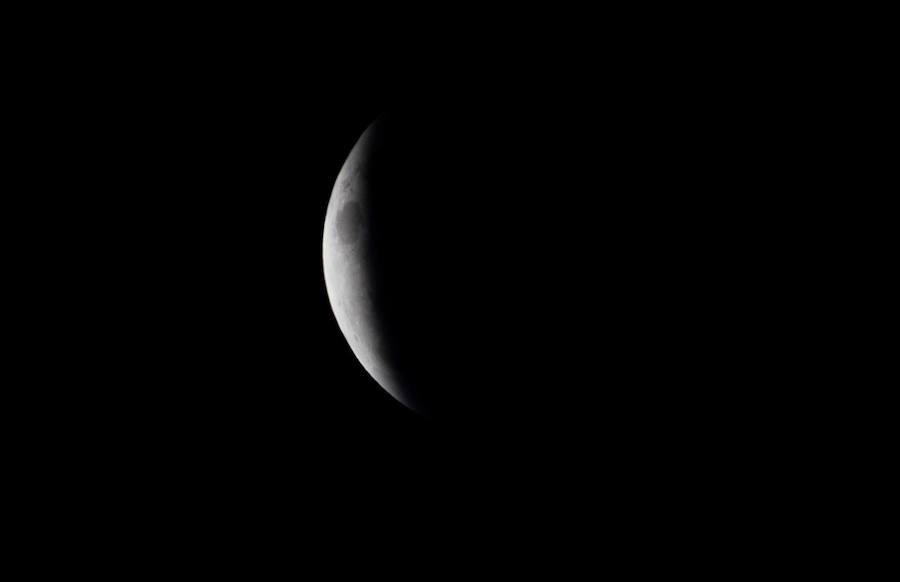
x=637 y=223
x=208 y=346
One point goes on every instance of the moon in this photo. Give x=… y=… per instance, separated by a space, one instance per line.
x=346 y=258
x=416 y=264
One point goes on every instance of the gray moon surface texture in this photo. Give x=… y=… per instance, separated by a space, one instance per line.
x=344 y=253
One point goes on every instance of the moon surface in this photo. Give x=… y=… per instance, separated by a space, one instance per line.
x=345 y=254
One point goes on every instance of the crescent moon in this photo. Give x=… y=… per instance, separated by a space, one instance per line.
x=346 y=257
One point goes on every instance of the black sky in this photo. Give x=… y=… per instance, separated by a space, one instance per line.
x=193 y=311
x=185 y=373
